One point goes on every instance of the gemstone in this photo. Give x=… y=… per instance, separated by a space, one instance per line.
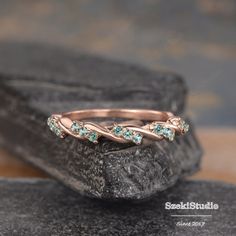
x=53 y=126
x=117 y=130
x=158 y=129
x=137 y=138
x=79 y=129
x=49 y=121
x=83 y=131
x=58 y=132
x=75 y=127
x=168 y=133
x=93 y=136
x=127 y=134
x=184 y=126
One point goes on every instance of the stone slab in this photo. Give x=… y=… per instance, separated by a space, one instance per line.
x=45 y=207
x=37 y=80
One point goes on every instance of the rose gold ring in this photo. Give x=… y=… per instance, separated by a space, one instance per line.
x=138 y=124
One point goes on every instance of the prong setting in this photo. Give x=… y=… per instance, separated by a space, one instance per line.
x=83 y=132
x=167 y=127
x=163 y=130
x=52 y=122
x=127 y=134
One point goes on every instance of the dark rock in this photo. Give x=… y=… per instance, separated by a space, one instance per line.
x=37 y=80
x=44 y=207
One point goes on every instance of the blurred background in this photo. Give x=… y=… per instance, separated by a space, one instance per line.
x=196 y=39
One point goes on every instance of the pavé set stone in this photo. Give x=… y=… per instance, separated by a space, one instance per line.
x=54 y=127
x=83 y=132
x=127 y=134
x=167 y=127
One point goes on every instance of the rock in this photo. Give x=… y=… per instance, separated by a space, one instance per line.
x=44 y=207
x=37 y=80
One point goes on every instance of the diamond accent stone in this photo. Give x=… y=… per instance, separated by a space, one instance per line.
x=75 y=127
x=54 y=127
x=117 y=130
x=137 y=138
x=158 y=129
x=83 y=131
x=184 y=127
x=168 y=133
x=93 y=136
x=127 y=134
x=162 y=130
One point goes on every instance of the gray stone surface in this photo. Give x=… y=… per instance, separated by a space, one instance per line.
x=37 y=80
x=44 y=207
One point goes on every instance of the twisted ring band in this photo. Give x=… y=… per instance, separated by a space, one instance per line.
x=150 y=124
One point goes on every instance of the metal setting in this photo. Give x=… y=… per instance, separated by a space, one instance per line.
x=149 y=124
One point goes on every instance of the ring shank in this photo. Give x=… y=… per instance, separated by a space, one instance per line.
x=119 y=113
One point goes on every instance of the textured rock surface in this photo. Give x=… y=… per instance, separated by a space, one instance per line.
x=44 y=207
x=36 y=81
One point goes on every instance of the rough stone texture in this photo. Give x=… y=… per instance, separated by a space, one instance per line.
x=44 y=207
x=37 y=80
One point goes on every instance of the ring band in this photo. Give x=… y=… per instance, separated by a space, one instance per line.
x=150 y=124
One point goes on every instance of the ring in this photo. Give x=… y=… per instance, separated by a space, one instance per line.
x=134 y=125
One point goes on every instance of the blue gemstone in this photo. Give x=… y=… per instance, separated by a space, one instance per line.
x=58 y=132
x=93 y=136
x=117 y=130
x=158 y=129
x=83 y=131
x=54 y=127
x=137 y=138
x=168 y=133
x=75 y=127
x=127 y=134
